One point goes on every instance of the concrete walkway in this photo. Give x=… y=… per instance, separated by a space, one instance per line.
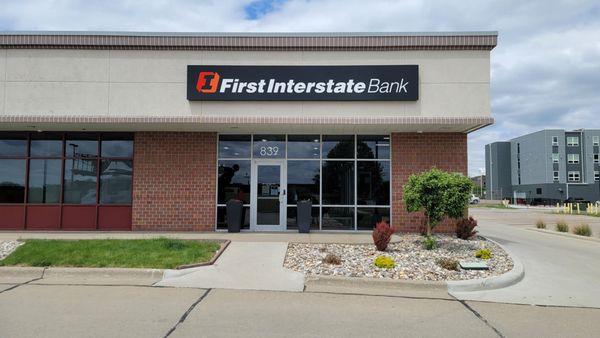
x=243 y=265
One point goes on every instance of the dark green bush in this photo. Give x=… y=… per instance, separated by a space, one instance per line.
x=429 y=243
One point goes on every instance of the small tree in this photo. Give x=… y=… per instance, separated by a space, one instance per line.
x=438 y=194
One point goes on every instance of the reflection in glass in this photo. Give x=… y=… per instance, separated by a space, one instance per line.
x=269 y=146
x=368 y=217
x=268 y=183
x=234 y=146
x=234 y=181
x=338 y=182
x=80 y=181
x=44 y=181
x=373 y=182
x=46 y=145
x=373 y=147
x=115 y=181
x=292 y=215
x=222 y=218
x=12 y=145
x=303 y=181
x=304 y=146
x=119 y=145
x=338 y=146
x=84 y=146
x=338 y=218
x=12 y=181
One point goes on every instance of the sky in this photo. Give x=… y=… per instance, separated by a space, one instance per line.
x=545 y=70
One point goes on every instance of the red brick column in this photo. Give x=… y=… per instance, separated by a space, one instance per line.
x=414 y=153
x=174 y=182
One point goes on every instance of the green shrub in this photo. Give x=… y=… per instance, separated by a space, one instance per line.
x=448 y=263
x=562 y=226
x=384 y=262
x=582 y=230
x=332 y=259
x=429 y=243
x=540 y=224
x=483 y=253
x=438 y=194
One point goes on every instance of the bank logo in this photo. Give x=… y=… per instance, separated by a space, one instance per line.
x=208 y=82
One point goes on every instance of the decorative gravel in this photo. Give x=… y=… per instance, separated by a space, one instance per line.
x=412 y=260
x=6 y=247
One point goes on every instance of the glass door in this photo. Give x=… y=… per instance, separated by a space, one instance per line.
x=269 y=195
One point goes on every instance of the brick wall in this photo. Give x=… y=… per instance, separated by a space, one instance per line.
x=174 y=183
x=414 y=153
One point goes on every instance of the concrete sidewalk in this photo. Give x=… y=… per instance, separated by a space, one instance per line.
x=288 y=236
x=243 y=265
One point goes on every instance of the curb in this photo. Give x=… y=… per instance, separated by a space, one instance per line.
x=361 y=282
x=21 y=271
x=128 y=273
x=565 y=234
x=497 y=282
x=224 y=244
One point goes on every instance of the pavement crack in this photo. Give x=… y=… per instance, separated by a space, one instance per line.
x=27 y=282
x=187 y=312
x=480 y=317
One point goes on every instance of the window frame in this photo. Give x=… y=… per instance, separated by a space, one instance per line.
x=573 y=158
x=555 y=158
x=596 y=176
x=574 y=176
x=596 y=158
x=570 y=142
x=320 y=159
x=556 y=176
x=555 y=140
x=595 y=140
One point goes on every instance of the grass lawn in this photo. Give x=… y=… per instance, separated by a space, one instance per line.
x=160 y=253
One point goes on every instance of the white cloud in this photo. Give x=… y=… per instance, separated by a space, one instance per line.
x=545 y=70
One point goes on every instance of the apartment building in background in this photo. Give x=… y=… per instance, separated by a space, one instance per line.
x=545 y=167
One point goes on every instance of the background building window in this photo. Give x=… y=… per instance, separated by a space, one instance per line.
x=538 y=191
x=573 y=158
x=556 y=176
x=596 y=140
x=555 y=158
x=572 y=141
x=596 y=176
x=596 y=158
x=574 y=176
x=554 y=140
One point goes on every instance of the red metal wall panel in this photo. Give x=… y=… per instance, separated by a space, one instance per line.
x=12 y=217
x=114 y=217
x=79 y=217
x=43 y=217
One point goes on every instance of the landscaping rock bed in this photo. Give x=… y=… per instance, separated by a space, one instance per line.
x=412 y=260
x=6 y=247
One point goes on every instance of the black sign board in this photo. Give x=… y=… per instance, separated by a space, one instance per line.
x=303 y=83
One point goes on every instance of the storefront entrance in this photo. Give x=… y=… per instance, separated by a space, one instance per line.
x=268 y=199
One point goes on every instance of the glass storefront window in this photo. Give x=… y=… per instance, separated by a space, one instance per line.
x=338 y=218
x=234 y=146
x=338 y=146
x=368 y=217
x=44 y=181
x=116 y=181
x=46 y=145
x=117 y=146
x=80 y=181
x=82 y=146
x=12 y=181
x=304 y=146
x=269 y=146
x=373 y=147
x=338 y=182
x=303 y=181
x=373 y=182
x=13 y=145
x=233 y=181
